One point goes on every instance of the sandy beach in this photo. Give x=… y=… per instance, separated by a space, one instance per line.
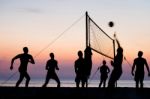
x=78 y=93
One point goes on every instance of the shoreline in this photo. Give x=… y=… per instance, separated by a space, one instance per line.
x=71 y=83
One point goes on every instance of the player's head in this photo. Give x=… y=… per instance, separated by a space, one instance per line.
x=25 y=49
x=140 y=53
x=120 y=50
x=104 y=62
x=52 y=55
x=80 y=54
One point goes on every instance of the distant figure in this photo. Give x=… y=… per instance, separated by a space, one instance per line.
x=80 y=70
x=117 y=67
x=51 y=74
x=88 y=62
x=25 y=58
x=104 y=70
x=139 y=73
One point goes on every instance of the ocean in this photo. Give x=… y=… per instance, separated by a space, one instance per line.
x=71 y=83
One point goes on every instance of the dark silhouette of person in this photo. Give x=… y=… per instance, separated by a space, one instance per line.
x=88 y=62
x=117 y=67
x=80 y=70
x=104 y=70
x=25 y=58
x=51 y=66
x=139 y=72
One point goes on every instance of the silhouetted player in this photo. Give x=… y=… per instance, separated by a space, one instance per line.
x=139 y=72
x=88 y=62
x=80 y=70
x=104 y=70
x=51 y=74
x=25 y=58
x=117 y=67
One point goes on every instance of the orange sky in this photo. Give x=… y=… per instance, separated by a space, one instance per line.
x=37 y=24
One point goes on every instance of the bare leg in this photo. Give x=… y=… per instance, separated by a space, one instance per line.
x=137 y=84
x=77 y=84
x=46 y=81
x=57 y=80
x=83 y=84
x=141 y=82
x=86 y=81
x=104 y=83
x=20 y=79
x=100 y=83
x=28 y=79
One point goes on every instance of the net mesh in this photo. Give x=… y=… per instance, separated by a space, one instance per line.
x=99 y=41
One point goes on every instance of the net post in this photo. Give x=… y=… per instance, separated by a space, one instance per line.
x=86 y=22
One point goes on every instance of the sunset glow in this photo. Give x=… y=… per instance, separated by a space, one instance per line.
x=37 y=23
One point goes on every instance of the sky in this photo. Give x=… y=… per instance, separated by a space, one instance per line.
x=37 y=23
